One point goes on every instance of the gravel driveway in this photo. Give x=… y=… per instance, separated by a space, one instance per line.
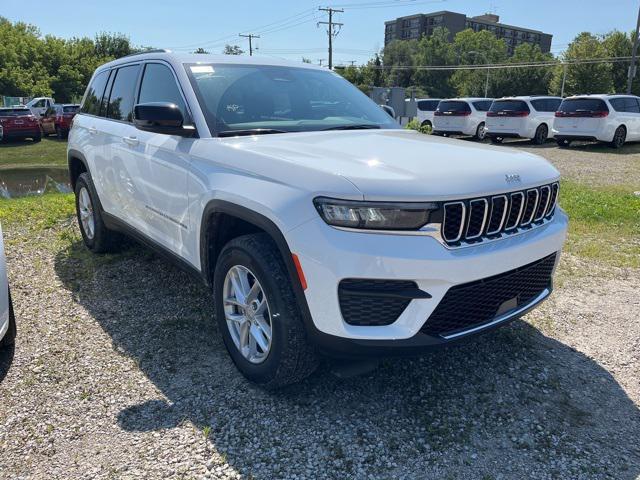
x=119 y=372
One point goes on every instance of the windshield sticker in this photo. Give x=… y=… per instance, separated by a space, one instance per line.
x=202 y=69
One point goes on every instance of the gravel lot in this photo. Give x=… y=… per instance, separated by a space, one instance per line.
x=119 y=372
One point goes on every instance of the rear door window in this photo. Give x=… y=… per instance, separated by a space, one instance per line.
x=93 y=97
x=159 y=85
x=428 y=105
x=509 y=106
x=120 y=106
x=454 y=106
x=483 y=105
x=583 y=105
x=631 y=105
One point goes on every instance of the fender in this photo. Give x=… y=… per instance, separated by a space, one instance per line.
x=264 y=223
x=73 y=154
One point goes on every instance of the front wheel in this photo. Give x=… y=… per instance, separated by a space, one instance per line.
x=619 y=137
x=541 y=135
x=257 y=313
x=481 y=132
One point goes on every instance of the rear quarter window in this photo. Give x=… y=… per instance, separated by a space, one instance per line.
x=93 y=97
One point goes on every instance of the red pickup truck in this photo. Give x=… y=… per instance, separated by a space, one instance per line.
x=19 y=122
x=57 y=119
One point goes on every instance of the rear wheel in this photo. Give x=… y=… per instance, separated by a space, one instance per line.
x=541 y=135
x=97 y=237
x=619 y=137
x=427 y=123
x=257 y=313
x=481 y=132
x=563 y=142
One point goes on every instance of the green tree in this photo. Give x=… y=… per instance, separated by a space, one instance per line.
x=433 y=51
x=477 y=48
x=523 y=81
x=200 y=50
x=113 y=45
x=584 y=78
x=398 y=58
x=619 y=44
x=232 y=50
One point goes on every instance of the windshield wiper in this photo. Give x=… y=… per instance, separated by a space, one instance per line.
x=363 y=126
x=250 y=131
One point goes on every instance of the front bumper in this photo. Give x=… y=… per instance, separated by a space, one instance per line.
x=329 y=255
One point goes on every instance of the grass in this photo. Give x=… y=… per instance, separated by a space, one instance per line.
x=49 y=152
x=604 y=223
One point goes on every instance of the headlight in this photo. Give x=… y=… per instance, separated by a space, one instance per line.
x=374 y=215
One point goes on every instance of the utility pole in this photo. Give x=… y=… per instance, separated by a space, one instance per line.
x=352 y=62
x=250 y=36
x=564 y=78
x=634 y=52
x=320 y=60
x=331 y=31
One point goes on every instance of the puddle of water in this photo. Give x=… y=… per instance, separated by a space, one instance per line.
x=20 y=182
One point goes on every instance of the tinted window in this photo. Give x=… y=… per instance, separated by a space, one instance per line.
x=120 y=105
x=509 y=106
x=93 y=97
x=627 y=104
x=40 y=103
x=632 y=105
x=483 y=105
x=14 y=112
x=546 y=104
x=428 y=105
x=289 y=99
x=453 y=106
x=70 y=109
x=159 y=85
x=583 y=105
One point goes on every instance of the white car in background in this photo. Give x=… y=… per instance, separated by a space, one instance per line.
x=462 y=116
x=426 y=108
x=602 y=118
x=522 y=117
x=39 y=105
x=7 y=319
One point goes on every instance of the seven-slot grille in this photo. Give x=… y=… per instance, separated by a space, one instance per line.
x=476 y=219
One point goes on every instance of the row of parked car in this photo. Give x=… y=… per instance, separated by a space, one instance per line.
x=25 y=122
x=614 y=119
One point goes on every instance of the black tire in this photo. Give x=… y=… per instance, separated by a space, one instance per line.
x=426 y=123
x=540 y=137
x=103 y=240
x=291 y=358
x=496 y=140
x=10 y=337
x=480 y=132
x=60 y=134
x=619 y=137
x=563 y=143
x=37 y=138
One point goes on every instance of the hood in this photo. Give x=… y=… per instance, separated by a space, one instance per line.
x=405 y=165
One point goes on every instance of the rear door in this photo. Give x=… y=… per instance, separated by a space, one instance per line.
x=161 y=163
x=119 y=133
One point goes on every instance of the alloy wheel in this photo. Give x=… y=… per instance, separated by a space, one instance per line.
x=247 y=314
x=85 y=208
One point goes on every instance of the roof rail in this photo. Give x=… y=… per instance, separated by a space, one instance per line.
x=155 y=50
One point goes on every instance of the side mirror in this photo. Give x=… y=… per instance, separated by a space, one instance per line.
x=161 y=117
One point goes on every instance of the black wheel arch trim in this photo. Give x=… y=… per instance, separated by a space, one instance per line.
x=73 y=154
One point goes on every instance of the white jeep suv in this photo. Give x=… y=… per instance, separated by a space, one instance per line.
x=522 y=117
x=461 y=116
x=321 y=226
x=603 y=118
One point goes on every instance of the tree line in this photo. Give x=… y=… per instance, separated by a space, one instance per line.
x=35 y=65
x=399 y=65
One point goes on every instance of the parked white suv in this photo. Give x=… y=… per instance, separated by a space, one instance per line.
x=321 y=226
x=522 y=117
x=462 y=116
x=604 y=118
x=426 y=107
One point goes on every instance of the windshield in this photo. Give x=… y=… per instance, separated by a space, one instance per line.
x=275 y=99
x=14 y=112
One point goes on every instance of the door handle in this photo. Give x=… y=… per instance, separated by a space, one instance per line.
x=93 y=130
x=132 y=141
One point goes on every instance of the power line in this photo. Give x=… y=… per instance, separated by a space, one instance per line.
x=331 y=30
x=250 y=36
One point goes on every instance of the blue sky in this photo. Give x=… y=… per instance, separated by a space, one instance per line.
x=210 y=23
